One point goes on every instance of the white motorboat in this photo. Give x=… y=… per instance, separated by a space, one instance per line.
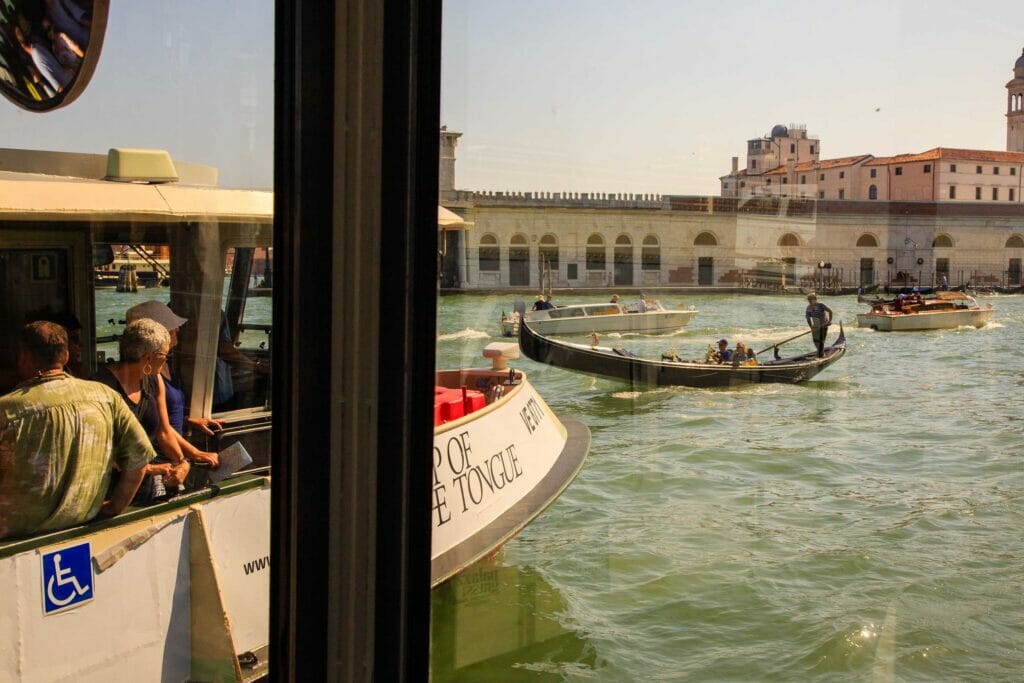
x=947 y=310
x=603 y=317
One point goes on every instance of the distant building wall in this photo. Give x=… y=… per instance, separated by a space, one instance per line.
x=716 y=241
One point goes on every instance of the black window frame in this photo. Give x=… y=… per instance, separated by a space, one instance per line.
x=383 y=68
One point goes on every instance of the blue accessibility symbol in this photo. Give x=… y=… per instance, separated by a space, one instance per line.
x=67 y=578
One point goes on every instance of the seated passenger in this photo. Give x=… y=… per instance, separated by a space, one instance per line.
x=173 y=385
x=724 y=355
x=615 y=299
x=538 y=305
x=641 y=304
x=144 y=346
x=739 y=354
x=59 y=439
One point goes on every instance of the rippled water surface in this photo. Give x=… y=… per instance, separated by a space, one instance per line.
x=866 y=525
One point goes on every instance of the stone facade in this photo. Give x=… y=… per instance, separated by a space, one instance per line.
x=679 y=241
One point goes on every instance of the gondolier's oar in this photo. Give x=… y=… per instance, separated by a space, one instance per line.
x=776 y=344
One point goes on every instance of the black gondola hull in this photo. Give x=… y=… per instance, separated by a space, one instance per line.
x=614 y=364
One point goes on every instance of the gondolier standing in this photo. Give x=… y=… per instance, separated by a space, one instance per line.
x=819 y=317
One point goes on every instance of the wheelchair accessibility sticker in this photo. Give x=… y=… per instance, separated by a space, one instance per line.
x=67 y=578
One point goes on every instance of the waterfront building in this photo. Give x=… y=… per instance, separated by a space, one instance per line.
x=787 y=218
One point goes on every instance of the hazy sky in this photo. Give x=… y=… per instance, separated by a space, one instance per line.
x=657 y=96
x=194 y=77
x=580 y=95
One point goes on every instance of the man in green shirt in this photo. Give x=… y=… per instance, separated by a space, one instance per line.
x=59 y=437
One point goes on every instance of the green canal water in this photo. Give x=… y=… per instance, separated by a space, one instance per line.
x=865 y=526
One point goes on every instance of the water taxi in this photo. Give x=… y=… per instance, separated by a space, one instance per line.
x=945 y=310
x=605 y=317
x=191 y=575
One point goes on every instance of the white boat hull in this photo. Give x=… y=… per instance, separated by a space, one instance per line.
x=937 y=320
x=495 y=470
x=186 y=590
x=651 y=322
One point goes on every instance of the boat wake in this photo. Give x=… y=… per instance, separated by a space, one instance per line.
x=468 y=333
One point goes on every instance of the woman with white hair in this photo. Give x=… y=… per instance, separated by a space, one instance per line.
x=144 y=346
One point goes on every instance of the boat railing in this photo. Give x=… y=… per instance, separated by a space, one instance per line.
x=242 y=482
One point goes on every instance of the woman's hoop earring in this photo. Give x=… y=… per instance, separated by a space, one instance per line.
x=147 y=369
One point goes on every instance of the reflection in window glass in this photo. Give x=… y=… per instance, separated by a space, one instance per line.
x=815 y=529
x=127 y=251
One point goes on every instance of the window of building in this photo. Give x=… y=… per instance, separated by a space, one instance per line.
x=977 y=169
x=927 y=168
x=792 y=147
x=821 y=194
x=898 y=171
x=650 y=254
x=812 y=149
x=785 y=181
x=842 y=194
x=548 y=256
x=873 y=192
x=995 y=170
x=1013 y=193
x=1015 y=242
x=867 y=240
x=977 y=193
x=789 y=240
x=753 y=163
x=1013 y=171
x=572 y=271
x=942 y=241
x=743 y=183
x=803 y=180
x=726 y=185
x=995 y=193
x=842 y=174
x=874 y=173
x=769 y=181
x=821 y=177
x=488 y=255
x=595 y=253
x=705 y=239
x=952 y=191
x=952 y=168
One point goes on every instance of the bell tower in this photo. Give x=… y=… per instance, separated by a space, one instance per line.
x=446 y=161
x=1015 y=108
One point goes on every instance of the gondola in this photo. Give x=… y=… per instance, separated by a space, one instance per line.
x=616 y=363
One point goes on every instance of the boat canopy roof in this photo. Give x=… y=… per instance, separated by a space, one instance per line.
x=39 y=197
x=449 y=220
x=40 y=186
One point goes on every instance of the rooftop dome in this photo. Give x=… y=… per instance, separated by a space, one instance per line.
x=1019 y=64
x=780 y=131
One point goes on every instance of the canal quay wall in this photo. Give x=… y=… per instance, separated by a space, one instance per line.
x=630 y=242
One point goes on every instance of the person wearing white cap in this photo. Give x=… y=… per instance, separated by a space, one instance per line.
x=161 y=313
